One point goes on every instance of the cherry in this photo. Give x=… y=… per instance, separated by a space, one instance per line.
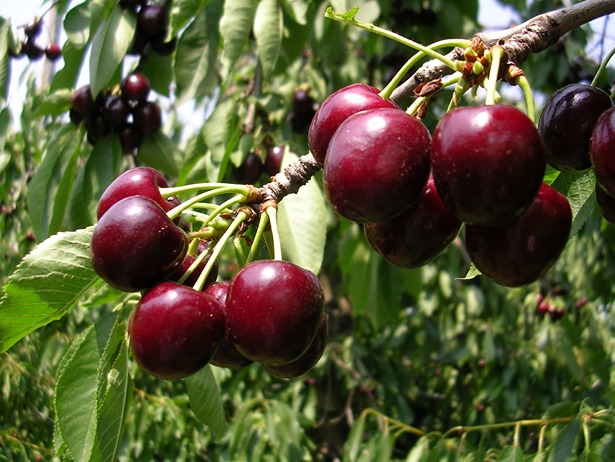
x=487 y=162
x=602 y=152
x=142 y=181
x=33 y=29
x=32 y=50
x=97 y=128
x=338 y=107
x=53 y=52
x=307 y=360
x=522 y=250
x=273 y=311
x=273 y=160
x=606 y=204
x=419 y=235
x=130 y=136
x=148 y=117
x=75 y=116
x=194 y=276
x=566 y=123
x=152 y=19
x=175 y=330
x=250 y=169
x=227 y=355
x=135 y=245
x=82 y=100
x=377 y=164
x=116 y=110
x=303 y=110
x=135 y=87
x=131 y=4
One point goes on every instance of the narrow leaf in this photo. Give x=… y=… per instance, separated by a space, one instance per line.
x=4 y=59
x=46 y=285
x=67 y=76
x=268 y=23
x=206 y=401
x=77 y=25
x=56 y=103
x=235 y=26
x=159 y=152
x=562 y=448
x=182 y=11
x=511 y=454
x=109 y=46
x=296 y=9
x=302 y=221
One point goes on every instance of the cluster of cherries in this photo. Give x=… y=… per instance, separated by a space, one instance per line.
x=127 y=112
x=152 y=27
x=271 y=311
x=253 y=167
x=30 y=47
x=578 y=126
x=483 y=168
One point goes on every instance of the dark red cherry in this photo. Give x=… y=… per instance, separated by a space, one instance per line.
x=419 y=235
x=33 y=29
x=53 y=52
x=97 y=128
x=175 y=330
x=33 y=51
x=566 y=123
x=487 y=162
x=338 y=107
x=307 y=360
x=227 y=355
x=273 y=311
x=148 y=117
x=522 y=250
x=273 y=160
x=135 y=245
x=138 y=181
x=152 y=19
x=606 y=204
x=82 y=101
x=131 y=137
x=250 y=169
x=602 y=151
x=377 y=165
x=135 y=87
x=116 y=110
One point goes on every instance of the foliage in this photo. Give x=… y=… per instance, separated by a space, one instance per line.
x=421 y=364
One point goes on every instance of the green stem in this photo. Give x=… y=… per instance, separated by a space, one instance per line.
x=234 y=189
x=461 y=87
x=524 y=84
x=602 y=67
x=239 y=219
x=273 y=218
x=349 y=19
x=394 y=83
x=497 y=52
x=175 y=190
x=222 y=207
x=262 y=226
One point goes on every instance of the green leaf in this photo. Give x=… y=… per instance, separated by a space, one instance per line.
x=87 y=377
x=109 y=46
x=205 y=400
x=562 y=409
x=235 y=26
x=221 y=133
x=268 y=24
x=562 y=447
x=197 y=53
x=579 y=189
x=511 y=454
x=160 y=152
x=67 y=76
x=159 y=71
x=50 y=187
x=296 y=9
x=302 y=220
x=56 y=103
x=77 y=25
x=46 y=285
x=354 y=443
x=182 y=12
x=5 y=69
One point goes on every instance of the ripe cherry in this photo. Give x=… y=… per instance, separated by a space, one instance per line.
x=273 y=311
x=377 y=165
x=135 y=87
x=419 y=235
x=152 y=19
x=273 y=160
x=33 y=29
x=606 y=204
x=116 y=110
x=135 y=245
x=97 y=128
x=487 y=162
x=148 y=117
x=307 y=360
x=53 y=52
x=250 y=169
x=338 y=107
x=520 y=251
x=143 y=181
x=602 y=151
x=566 y=123
x=32 y=50
x=130 y=136
x=82 y=100
x=175 y=330
x=227 y=355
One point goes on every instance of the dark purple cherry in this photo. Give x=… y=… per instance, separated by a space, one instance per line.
x=273 y=160
x=82 y=100
x=566 y=123
x=138 y=181
x=131 y=4
x=33 y=29
x=487 y=162
x=307 y=360
x=131 y=137
x=148 y=117
x=377 y=165
x=116 y=110
x=522 y=250
x=175 y=330
x=602 y=151
x=97 y=128
x=273 y=311
x=419 y=235
x=227 y=355
x=32 y=50
x=135 y=87
x=606 y=204
x=135 y=245
x=75 y=116
x=152 y=19
x=250 y=169
x=53 y=52
x=338 y=107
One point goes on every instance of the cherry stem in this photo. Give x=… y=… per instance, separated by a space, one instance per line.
x=222 y=207
x=262 y=226
x=272 y=213
x=524 y=84
x=232 y=229
x=497 y=53
x=348 y=18
x=242 y=192
x=176 y=190
x=602 y=67
x=395 y=81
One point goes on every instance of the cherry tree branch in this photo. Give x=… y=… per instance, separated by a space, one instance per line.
x=519 y=42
